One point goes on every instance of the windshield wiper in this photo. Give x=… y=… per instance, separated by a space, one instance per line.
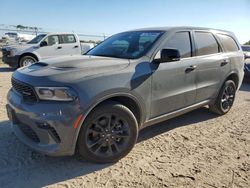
x=105 y=55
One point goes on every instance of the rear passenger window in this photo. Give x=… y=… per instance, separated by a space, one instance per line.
x=68 y=39
x=206 y=43
x=228 y=43
x=52 y=40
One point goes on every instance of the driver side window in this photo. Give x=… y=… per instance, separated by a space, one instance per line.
x=182 y=42
x=52 y=40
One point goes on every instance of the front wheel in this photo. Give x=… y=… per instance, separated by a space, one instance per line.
x=109 y=133
x=225 y=99
x=27 y=61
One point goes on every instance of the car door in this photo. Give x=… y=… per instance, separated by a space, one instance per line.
x=212 y=65
x=173 y=83
x=51 y=48
x=70 y=46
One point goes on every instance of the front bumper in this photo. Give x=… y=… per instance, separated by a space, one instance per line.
x=12 y=61
x=43 y=126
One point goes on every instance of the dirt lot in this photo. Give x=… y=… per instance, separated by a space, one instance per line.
x=198 y=149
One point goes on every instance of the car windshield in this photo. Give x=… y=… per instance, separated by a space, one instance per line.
x=37 y=39
x=127 y=45
x=246 y=48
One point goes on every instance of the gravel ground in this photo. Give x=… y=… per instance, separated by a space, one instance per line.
x=198 y=149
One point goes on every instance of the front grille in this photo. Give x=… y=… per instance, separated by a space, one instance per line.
x=25 y=90
x=5 y=52
x=29 y=132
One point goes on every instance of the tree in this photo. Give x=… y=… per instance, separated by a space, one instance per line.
x=21 y=27
x=247 y=43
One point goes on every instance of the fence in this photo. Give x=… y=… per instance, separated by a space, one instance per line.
x=82 y=36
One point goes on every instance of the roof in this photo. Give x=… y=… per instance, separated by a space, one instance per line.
x=179 y=28
x=57 y=33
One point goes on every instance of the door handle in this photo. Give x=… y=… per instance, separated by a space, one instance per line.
x=191 y=68
x=76 y=46
x=59 y=47
x=224 y=62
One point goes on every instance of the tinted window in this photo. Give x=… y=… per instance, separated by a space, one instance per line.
x=246 y=48
x=120 y=45
x=52 y=39
x=37 y=39
x=128 y=45
x=228 y=43
x=181 y=41
x=206 y=43
x=68 y=39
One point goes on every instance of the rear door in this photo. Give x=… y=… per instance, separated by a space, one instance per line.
x=173 y=83
x=70 y=45
x=232 y=52
x=212 y=65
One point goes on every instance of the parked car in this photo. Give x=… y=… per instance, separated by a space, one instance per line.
x=12 y=38
x=246 y=50
x=97 y=105
x=42 y=47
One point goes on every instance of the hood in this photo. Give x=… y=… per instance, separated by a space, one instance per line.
x=19 y=47
x=71 y=68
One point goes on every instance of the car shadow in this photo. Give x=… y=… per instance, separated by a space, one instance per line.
x=31 y=169
x=199 y=115
x=245 y=86
x=7 y=69
x=22 y=167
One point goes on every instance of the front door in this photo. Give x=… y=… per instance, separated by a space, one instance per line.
x=52 y=49
x=173 y=84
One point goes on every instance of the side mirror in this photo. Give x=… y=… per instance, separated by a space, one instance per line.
x=43 y=43
x=168 y=55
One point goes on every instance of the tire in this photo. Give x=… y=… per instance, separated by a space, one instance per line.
x=103 y=141
x=26 y=61
x=225 y=99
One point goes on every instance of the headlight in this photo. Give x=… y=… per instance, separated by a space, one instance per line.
x=56 y=93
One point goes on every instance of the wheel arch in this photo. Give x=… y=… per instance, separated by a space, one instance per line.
x=234 y=77
x=27 y=54
x=134 y=105
x=126 y=99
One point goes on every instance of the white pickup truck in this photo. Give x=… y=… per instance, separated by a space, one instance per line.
x=42 y=47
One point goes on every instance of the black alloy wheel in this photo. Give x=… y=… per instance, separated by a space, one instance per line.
x=108 y=133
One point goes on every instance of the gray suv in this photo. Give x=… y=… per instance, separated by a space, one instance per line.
x=95 y=104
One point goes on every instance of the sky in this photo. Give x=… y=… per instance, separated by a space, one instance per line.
x=112 y=16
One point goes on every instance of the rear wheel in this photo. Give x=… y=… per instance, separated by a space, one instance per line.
x=225 y=99
x=27 y=60
x=109 y=132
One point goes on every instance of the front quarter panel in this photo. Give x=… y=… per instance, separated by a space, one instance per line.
x=133 y=82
